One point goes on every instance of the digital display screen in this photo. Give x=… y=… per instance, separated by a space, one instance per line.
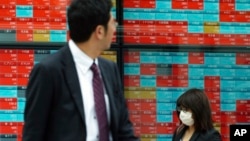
x=36 y=21
x=187 y=22
x=15 y=67
x=154 y=79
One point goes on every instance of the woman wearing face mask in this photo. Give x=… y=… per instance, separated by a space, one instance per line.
x=195 y=116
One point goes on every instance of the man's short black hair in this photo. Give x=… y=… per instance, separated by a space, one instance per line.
x=85 y=15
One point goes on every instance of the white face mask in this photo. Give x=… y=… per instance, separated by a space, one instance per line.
x=186 y=118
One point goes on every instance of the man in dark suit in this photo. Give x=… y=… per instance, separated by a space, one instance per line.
x=60 y=96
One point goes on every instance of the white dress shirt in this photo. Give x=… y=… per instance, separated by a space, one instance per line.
x=83 y=63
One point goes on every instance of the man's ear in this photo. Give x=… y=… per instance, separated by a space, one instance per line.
x=99 y=32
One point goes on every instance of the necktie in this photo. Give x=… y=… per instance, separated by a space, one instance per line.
x=100 y=105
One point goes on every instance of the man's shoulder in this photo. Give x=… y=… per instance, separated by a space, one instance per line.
x=105 y=61
x=55 y=55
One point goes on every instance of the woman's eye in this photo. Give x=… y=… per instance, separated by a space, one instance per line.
x=184 y=109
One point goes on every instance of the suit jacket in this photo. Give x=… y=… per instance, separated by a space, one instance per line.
x=54 y=107
x=211 y=135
